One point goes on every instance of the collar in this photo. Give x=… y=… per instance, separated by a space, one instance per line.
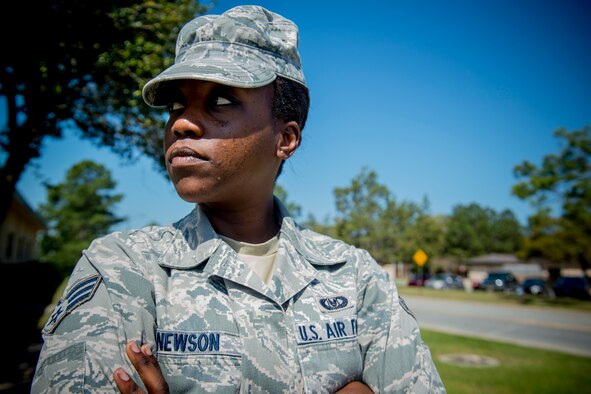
x=194 y=241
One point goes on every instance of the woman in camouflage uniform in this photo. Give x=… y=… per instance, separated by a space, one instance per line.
x=235 y=297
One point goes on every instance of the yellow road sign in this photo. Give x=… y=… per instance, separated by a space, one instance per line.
x=420 y=257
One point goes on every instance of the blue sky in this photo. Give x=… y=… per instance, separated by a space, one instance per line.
x=441 y=98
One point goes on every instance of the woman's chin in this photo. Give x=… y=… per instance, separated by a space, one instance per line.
x=190 y=192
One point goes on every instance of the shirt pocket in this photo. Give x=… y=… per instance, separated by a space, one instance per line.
x=201 y=373
x=196 y=362
x=329 y=354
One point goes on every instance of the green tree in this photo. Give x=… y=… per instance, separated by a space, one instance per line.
x=370 y=217
x=82 y=69
x=427 y=233
x=326 y=226
x=294 y=209
x=362 y=216
x=560 y=191
x=473 y=230
x=78 y=210
x=507 y=233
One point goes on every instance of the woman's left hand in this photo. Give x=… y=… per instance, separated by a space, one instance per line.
x=147 y=367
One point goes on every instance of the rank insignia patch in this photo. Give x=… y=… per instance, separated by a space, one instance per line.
x=79 y=293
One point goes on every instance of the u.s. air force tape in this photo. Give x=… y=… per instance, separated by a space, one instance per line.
x=326 y=330
x=79 y=293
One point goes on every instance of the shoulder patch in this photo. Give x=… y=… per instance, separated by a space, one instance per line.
x=81 y=292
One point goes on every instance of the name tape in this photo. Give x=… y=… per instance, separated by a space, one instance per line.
x=205 y=342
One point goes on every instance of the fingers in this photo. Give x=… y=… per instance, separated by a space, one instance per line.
x=147 y=367
x=355 y=387
x=124 y=382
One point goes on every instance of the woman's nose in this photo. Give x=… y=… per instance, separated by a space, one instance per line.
x=184 y=128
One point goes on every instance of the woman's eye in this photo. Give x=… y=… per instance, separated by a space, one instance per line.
x=221 y=101
x=175 y=106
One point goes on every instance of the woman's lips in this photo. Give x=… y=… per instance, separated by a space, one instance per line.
x=185 y=156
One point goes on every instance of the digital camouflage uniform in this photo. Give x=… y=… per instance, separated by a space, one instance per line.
x=329 y=316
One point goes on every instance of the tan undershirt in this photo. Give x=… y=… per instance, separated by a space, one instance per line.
x=260 y=257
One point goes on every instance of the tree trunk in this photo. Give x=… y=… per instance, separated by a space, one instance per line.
x=22 y=143
x=20 y=151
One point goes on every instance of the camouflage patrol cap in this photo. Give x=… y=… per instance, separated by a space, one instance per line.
x=246 y=47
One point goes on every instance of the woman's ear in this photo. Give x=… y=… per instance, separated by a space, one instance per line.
x=289 y=140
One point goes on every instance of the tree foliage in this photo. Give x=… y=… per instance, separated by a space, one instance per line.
x=473 y=230
x=83 y=69
x=563 y=181
x=78 y=210
x=428 y=234
x=369 y=217
x=325 y=226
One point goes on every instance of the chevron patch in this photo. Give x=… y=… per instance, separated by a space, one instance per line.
x=81 y=292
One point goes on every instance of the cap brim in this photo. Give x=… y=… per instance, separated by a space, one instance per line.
x=214 y=70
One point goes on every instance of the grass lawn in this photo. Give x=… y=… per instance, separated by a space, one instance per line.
x=520 y=370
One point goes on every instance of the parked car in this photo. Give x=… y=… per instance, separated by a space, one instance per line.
x=445 y=281
x=573 y=286
x=535 y=286
x=418 y=280
x=499 y=281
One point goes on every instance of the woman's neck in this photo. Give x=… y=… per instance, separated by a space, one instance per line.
x=254 y=223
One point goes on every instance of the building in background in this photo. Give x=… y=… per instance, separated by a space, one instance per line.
x=19 y=232
x=479 y=267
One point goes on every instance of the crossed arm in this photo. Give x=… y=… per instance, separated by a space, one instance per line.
x=148 y=368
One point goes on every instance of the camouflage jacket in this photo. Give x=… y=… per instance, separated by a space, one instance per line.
x=329 y=316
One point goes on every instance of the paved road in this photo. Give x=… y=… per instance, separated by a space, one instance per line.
x=547 y=328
